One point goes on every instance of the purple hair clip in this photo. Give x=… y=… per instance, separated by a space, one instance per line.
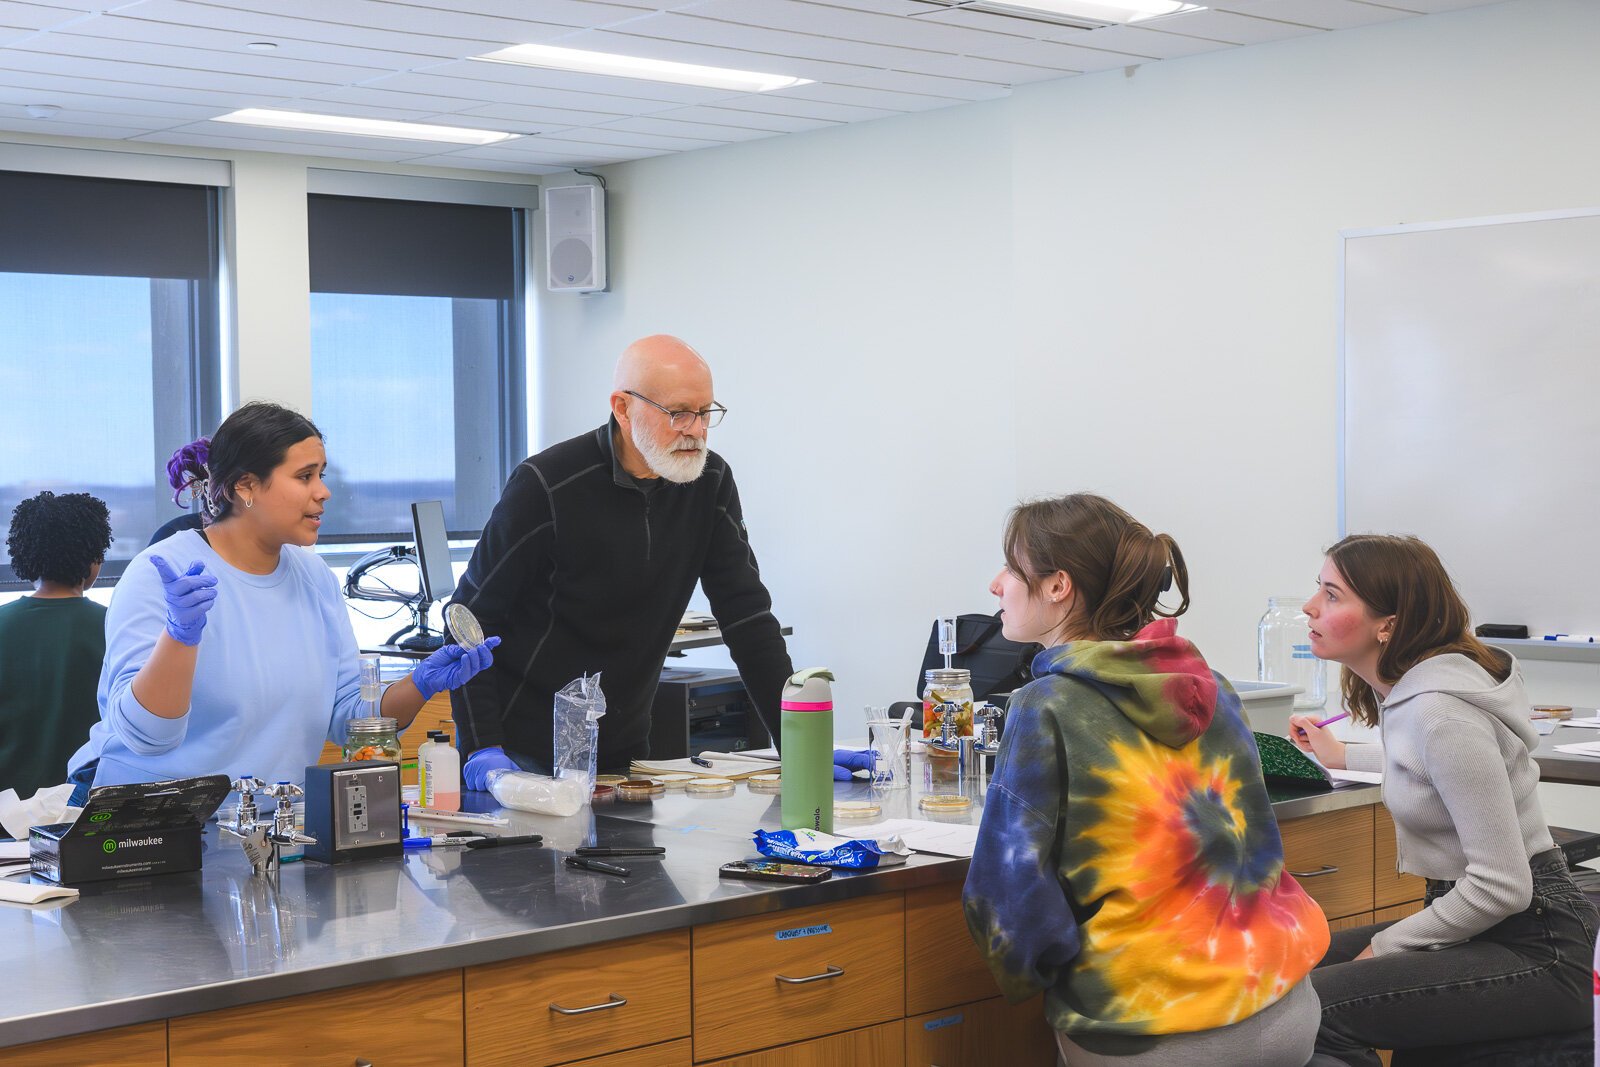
x=187 y=469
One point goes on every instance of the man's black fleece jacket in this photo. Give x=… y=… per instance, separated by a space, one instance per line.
x=583 y=568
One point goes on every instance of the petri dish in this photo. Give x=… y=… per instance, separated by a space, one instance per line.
x=636 y=789
x=463 y=625
x=855 y=809
x=610 y=779
x=945 y=802
x=603 y=794
x=765 y=783
x=710 y=786
x=675 y=780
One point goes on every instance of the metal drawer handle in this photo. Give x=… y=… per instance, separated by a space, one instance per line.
x=614 y=1002
x=1318 y=873
x=831 y=972
x=363 y=1063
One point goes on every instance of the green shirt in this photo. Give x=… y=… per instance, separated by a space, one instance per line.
x=50 y=653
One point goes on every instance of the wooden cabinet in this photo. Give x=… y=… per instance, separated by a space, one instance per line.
x=144 y=1045
x=1330 y=855
x=408 y=1022
x=798 y=974
x=943 y=966
x=879 y=1046
x=1389 y=887
x=550 y=1009
x=981 y=1035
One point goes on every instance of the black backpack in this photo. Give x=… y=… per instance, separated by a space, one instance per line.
x=997 y=665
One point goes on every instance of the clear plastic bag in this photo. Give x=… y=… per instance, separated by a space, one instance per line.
x=579 y=708
x=535 y=792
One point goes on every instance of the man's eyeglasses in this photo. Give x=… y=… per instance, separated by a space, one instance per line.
x=683 y=420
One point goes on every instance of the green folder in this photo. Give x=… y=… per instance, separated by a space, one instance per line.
x=1284 y=764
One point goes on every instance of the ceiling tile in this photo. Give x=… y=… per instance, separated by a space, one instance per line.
x=260 y=64
x=765 y=122
x=38 y=16
x=217 y=102
x=125 y=31
x=262 y=25
x=611 y=137
x=338 y=150
x=58 y=128
x=531 y=116
x=875 y=98
x=1002 y=25
x=107 y=103
x=1154 y=44
x=486 y=92
x=1225 y=26
x=1051 y=54
x=1429 y=7
x=209 y=81
x=582 y=13
x=387 y=145
x=412 y=18
x=535 y=78
x=674 y=127
x=1323 y=14
x=772 y=103
x=445 y=159
x=819 y=19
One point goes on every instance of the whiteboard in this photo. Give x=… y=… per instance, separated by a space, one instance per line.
x=1470 y=397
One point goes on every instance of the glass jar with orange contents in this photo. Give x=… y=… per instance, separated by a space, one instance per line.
x=372 y=739
x=946 y=686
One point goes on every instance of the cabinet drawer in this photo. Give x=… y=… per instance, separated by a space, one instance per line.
x=409 y=1022
x=512 y=1015
x=943 y=966
x=1389 y=887
x=798 y=974
x=144 y=1045
x=879 y=1046
x=1330 y=855
x=981 y=1035
x=678 y=1053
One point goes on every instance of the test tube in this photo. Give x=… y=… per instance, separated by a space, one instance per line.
x=371 y=683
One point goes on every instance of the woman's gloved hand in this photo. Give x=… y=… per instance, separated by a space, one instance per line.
x=189 y=596
x=846 y=761
x=475 y=775
x=451 y=666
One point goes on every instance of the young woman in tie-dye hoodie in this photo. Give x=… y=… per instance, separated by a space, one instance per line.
x=1129 y=864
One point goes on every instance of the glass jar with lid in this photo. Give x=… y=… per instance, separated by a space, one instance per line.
x=942 y=685
x=373 y=739
x=1283 y=651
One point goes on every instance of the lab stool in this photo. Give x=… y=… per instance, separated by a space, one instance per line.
x=1572 y=1049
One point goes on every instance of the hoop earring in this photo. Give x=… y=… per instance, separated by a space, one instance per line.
x=250 y=503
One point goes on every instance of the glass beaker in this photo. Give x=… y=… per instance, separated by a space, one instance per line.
x=891 y=768
x=1283 y=651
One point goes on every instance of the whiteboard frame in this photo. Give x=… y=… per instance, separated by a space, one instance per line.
x=1345 y=237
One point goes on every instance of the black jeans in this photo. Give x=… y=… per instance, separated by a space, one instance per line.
x=1528 y=974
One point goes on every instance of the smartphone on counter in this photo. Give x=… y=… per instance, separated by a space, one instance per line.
x=772 y=871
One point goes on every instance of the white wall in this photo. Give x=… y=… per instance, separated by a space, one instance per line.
x=1125 y=284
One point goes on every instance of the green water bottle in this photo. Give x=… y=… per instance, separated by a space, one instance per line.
x=808 y=750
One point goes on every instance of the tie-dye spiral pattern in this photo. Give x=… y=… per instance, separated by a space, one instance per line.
x=1129 y=862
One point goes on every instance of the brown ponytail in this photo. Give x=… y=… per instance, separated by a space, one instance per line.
x=1118 y=567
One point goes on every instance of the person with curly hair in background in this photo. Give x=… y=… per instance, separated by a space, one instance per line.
x=51 y=643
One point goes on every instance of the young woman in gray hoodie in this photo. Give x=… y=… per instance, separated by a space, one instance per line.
x=1504 y=945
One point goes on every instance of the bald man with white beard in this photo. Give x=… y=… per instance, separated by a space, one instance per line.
x=591 y=556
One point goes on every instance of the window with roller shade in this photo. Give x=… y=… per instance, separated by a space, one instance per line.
x=417 y=350
x=109 y=346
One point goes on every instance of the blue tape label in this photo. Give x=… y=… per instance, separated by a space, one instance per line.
x=940 y=1024
x=803 y=931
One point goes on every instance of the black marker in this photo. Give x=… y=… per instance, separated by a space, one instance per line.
x=643 y=850
x=698 y=762
x=579 y=863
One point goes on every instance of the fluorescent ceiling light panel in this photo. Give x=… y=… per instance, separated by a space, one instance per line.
x=408 y=131
x=656 y=70
x=1096 y=10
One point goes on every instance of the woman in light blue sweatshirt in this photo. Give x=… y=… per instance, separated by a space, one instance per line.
x=1503 y=948
x=229 y=649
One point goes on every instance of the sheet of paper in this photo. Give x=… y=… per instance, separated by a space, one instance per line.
x=1592 y=722
x=13 y=850
x=759 y=755
x=1342 y=777
x=720 y=768
x=1585 y=748
x=939 y=838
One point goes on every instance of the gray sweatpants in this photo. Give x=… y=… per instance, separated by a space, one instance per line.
x=1282 y=1035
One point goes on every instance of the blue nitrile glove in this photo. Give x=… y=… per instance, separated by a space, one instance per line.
x=846 y=761
x=189 y=596
x=451 y=666
x=475 y=775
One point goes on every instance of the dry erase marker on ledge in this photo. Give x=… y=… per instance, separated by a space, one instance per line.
x=1572 y=639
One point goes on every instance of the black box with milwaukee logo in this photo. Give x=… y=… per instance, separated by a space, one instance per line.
x=129 y=831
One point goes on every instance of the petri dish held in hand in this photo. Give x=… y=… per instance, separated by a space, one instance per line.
x=463 y=626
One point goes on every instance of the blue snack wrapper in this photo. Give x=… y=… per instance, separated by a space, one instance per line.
x=825 y=850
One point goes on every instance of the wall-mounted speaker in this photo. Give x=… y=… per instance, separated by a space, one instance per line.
x=575 y=238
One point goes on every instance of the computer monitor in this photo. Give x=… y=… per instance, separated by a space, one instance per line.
x=433 y=550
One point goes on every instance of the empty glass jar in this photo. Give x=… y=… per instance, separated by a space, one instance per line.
x=1283 y=651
